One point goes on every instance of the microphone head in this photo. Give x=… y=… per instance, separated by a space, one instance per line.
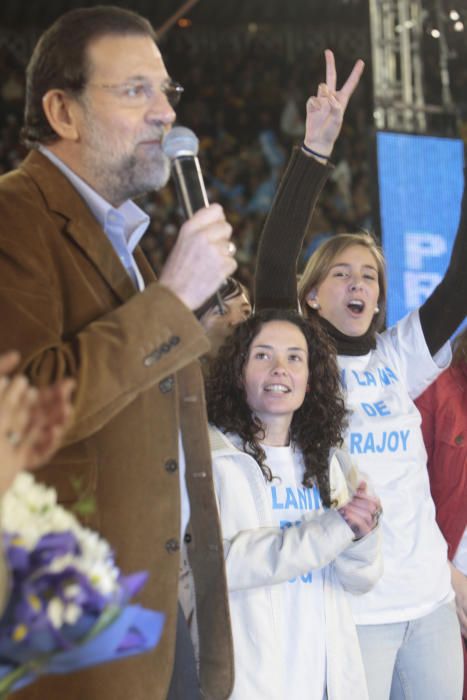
x=180 y=141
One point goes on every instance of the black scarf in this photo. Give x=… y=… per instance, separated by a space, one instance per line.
x=350 y=344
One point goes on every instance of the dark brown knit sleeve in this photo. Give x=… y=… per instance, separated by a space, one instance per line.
x=446 y=307
x=284 y=231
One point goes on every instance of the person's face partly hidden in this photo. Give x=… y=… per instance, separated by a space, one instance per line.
x=236 y=309
x=348 y=295
x=123 y=116
x=276 y=372
x=219 y=325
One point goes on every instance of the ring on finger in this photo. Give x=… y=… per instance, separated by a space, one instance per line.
x=232 y=249
x=13 y=437
x=377 y=515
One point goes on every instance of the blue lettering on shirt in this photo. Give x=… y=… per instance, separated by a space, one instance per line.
x=404 y=437
x=301 y=498
x=379 y=408
x=382 y=446
x=382 y=409
x=391 y=374
x=284 y=524
x=382 y=376
x=370 y=379
x=393 y=441
x=369 y=409
x=369 y=443
x=360 y=380
x=275 y=503
x=316 y=497
x=290 y=501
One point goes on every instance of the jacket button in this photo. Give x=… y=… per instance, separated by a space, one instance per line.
x=166 y=385
x=172 y=545
x=171 y=465
x=152 y=358
x=459 y=439
x=187 y=539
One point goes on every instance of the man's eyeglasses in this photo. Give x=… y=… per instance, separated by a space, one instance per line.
x=137 y=93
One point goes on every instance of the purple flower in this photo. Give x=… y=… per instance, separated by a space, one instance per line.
x=52 y=546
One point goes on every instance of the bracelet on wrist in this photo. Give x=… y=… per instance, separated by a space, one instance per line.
x=314 y=153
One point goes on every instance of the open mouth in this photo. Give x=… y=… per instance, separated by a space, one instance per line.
x=277 y=389
x=356 y=306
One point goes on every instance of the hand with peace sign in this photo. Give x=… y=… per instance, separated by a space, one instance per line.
x=325 y=112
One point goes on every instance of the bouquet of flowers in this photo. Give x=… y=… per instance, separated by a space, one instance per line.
x=69 y=604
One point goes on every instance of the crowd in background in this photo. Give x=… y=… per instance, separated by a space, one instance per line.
x=245 y=101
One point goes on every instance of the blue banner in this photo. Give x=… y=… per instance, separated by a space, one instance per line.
x=420 y=190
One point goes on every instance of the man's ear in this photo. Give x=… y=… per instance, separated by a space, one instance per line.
x=60 y=110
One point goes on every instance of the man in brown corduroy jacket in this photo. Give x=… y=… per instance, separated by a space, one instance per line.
x=78 y=299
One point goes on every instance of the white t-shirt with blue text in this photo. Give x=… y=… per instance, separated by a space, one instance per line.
x=304 y=666
x=385 y=440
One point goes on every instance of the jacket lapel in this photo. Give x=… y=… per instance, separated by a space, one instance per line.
x=144 y=267
x=80 y=224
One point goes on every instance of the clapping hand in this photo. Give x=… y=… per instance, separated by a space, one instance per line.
x=325 y=112
x=362 y=512
x=32 y=421
x=50 y=418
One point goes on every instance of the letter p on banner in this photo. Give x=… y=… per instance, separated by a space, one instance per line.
x=419 y=246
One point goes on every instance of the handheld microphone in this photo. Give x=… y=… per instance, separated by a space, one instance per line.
x=180 y=145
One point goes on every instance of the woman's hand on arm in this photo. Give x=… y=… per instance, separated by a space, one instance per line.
x=264 y=556
x=362 y=512
x=325 y=111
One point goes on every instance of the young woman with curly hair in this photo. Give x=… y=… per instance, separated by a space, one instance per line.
x=298 y=523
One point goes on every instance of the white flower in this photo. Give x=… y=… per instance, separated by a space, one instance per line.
x=55 y=612
x=72 y=613
x=103 y=577
x=30 y=511
x=72 y=590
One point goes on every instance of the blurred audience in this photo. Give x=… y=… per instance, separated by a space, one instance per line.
x=247 y=116
x=246 y=108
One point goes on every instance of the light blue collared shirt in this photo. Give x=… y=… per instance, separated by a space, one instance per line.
x=124 y=226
